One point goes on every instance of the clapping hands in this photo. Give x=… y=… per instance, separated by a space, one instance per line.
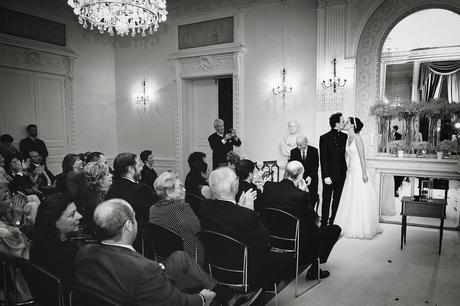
x=247 y=199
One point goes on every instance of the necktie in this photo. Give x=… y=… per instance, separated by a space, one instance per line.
x=303 y=155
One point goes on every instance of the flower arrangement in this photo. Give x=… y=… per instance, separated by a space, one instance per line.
x=407 y=109
x=233 y=158
x=396 y=145
x=447 y=146
x=439 y=109
x=383 y=110
x=419 y=145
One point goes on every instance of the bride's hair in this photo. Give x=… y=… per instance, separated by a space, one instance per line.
x=358 y=124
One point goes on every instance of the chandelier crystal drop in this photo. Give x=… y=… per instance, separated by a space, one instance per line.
x=120 y=16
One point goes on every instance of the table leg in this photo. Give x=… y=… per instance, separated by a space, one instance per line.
x=403 y=231
x=441 y=228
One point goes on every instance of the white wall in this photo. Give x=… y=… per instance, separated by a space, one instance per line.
x=264 y=116
x=94 y=91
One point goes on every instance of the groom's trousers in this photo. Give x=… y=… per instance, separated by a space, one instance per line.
x=333 y=191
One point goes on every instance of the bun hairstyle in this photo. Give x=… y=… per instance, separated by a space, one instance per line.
x=357 y=123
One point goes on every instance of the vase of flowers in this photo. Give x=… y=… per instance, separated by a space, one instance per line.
x=397 y=147
x=384 y=112
x=445 y=147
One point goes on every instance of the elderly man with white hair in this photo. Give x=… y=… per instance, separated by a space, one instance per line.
x=241 y=222
x=221 y=143
x=290 y=195
x=309 y=158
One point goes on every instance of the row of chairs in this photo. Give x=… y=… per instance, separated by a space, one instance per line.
x=46 y=289
x=227 y=257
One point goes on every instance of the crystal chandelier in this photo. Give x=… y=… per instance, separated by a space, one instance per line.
x=120 y=16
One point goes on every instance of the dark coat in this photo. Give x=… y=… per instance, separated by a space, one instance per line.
x=287 y=197
x=148 y=176
x=139 y=196
x=332 y=155
x=245 y=186
x=310 y=165
x=27 y=144
x=127 y=277
x=220 y=150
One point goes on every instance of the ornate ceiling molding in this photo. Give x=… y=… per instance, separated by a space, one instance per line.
x=374 y=33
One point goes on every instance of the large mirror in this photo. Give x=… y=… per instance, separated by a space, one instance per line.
x=420 y=61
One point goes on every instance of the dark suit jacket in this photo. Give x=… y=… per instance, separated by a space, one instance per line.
x=127 y=277
x=397 y=136
x=245 y=186
x=287 y=197
x=332 y=155
x=310 y=165
x=140 y=196
x=148 y=176
x=220 y=150
x=27 y=144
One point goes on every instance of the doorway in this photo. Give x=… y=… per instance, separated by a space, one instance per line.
x=206 y=99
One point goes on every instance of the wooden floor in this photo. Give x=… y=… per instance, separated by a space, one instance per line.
x=377 y=272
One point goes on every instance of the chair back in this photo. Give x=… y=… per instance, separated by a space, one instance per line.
x=194 y=201
x=46 y=288
x=284 y=230
x=158 y=242
x=227 y=258
x=85 y=297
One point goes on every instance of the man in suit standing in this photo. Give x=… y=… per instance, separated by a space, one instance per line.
x=32 y=143
x=148 y=174
x=308 y=157
x=333 y=166
x=290 y=195
x=126 y=186
x=222 y=143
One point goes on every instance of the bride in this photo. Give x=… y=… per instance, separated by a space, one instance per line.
x=357 y=214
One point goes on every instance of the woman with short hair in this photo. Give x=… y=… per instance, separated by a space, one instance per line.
x=171 y=211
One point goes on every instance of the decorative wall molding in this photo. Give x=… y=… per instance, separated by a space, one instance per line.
x=183 y=7
x=30 y=55
x=199 y=63
x=382 y=21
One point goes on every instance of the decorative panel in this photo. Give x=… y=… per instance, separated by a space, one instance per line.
x=206 y=33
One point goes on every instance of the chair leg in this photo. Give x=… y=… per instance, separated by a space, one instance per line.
x=314 y=284
x=276 y=294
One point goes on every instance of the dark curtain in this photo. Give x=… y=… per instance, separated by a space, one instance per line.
x=432 y=75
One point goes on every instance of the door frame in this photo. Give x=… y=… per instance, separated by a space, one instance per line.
x=206 y=62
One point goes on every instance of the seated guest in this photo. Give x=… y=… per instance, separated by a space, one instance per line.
x=290 y=195
x=57 y=220
x=126 y=186
x=6 y=146
x=245 y=172
x=196 y=179
x=148 y=174
x=116 y=271
x=242 y=223
x=5 y=178
x=95 y=157
x=29 y=209
x=232 y=160
x=70 y=163
x=173 y=212
x=98 y=181
x=21 y=180
x=39 y=173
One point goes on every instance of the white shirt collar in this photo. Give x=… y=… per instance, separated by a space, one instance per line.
x=129 y=179
x=126 y=246
x=221 y=135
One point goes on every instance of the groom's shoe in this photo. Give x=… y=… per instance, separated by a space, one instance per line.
x=312 y=275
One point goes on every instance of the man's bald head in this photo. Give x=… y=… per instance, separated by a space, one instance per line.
x=301 y=142
x=223 y=183
x=110 y=217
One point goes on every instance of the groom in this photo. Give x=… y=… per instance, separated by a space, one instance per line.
x=333 y=166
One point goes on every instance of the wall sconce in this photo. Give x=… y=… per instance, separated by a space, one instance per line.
x=334 y=83
x=282 y=89
x=143 y=100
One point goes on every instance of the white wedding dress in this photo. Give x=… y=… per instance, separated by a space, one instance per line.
x=357 y=213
